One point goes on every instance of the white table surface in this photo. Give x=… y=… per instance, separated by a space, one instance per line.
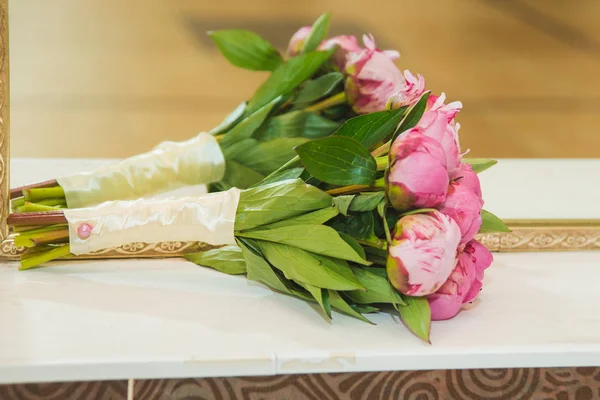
x=513 y=189
x=120 y=319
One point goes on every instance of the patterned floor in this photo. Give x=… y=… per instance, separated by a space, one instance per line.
x=498 y=384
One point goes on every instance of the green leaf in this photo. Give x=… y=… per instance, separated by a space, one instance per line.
x=357 y=225
x=318 y=293
x=491 y=223
x=354 y=244
x=340 y=305
x=379 y=289
x=296 y=124
x=246 y=128
x=246 y=50
x=416 y=315
x=366 y=201
x=364 y=309
x=259 y=270
x=277 y=201
x=480 y=164
x=287 y=77
x=229 y=120
x=319 y=88
x=318 y=239
x=228 y=259
x=338 y=160
x=379 y=271
x=371 y=128
x=266 y=157
x=343 y=203
x=288 y=174
x=317 y=33
x=301 y=266
x=414 y=116
x=235 y=149
x=318 y=217
x=239 y=176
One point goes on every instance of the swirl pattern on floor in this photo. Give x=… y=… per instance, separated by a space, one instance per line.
x=477 y=384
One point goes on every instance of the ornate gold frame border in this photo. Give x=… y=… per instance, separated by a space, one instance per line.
x=540 y=235
x=4 y=120
x=533 y=235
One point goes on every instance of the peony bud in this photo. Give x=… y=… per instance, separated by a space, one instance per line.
x=468 y=178
x=464 y=282
x=438 y=123
x=410 y=93
x=417 y=176
x=297 y=41
x=373 y=78
x=422 y=253
x=346 y=44
x=464 y=207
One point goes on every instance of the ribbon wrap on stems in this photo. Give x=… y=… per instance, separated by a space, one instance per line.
x=208 y=218
x=169 y=166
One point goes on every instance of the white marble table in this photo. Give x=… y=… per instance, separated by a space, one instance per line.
x=121 y=319
x=513 y=189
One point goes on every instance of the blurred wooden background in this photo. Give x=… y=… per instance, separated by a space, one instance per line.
x=111 y=78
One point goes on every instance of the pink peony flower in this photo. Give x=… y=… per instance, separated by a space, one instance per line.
x=468 y=178
x=422 y=253
x=412 y=91
x=417 y=176
x=464 y=282
x=297 y=41
x=438 y=123
x=373 y=79
x=345 y=43
x=464 y=207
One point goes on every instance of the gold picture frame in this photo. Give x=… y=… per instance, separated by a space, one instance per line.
x=526 y=235
x=4 y=121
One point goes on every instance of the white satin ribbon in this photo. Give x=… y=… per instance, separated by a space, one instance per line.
x=169 y=166
x=209 y=219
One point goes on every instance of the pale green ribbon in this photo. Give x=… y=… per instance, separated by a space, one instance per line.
x=169 y=166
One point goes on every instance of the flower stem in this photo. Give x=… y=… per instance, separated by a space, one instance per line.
x=18 y=191
x=38 y=194
x=381 y=150
x=386 y=227
x=48 y=236
x=37 y=218
x=16 y=203
x=36 y=259
x=382 y=163
x=33 y=207
x=348 y=189
x=334 y=100
x=27 y=229
x=378 y=244
x=379 y=183
x=61 y=202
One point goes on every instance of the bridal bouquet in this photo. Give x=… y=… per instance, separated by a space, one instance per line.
x=308 y=95
x=379 y=215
